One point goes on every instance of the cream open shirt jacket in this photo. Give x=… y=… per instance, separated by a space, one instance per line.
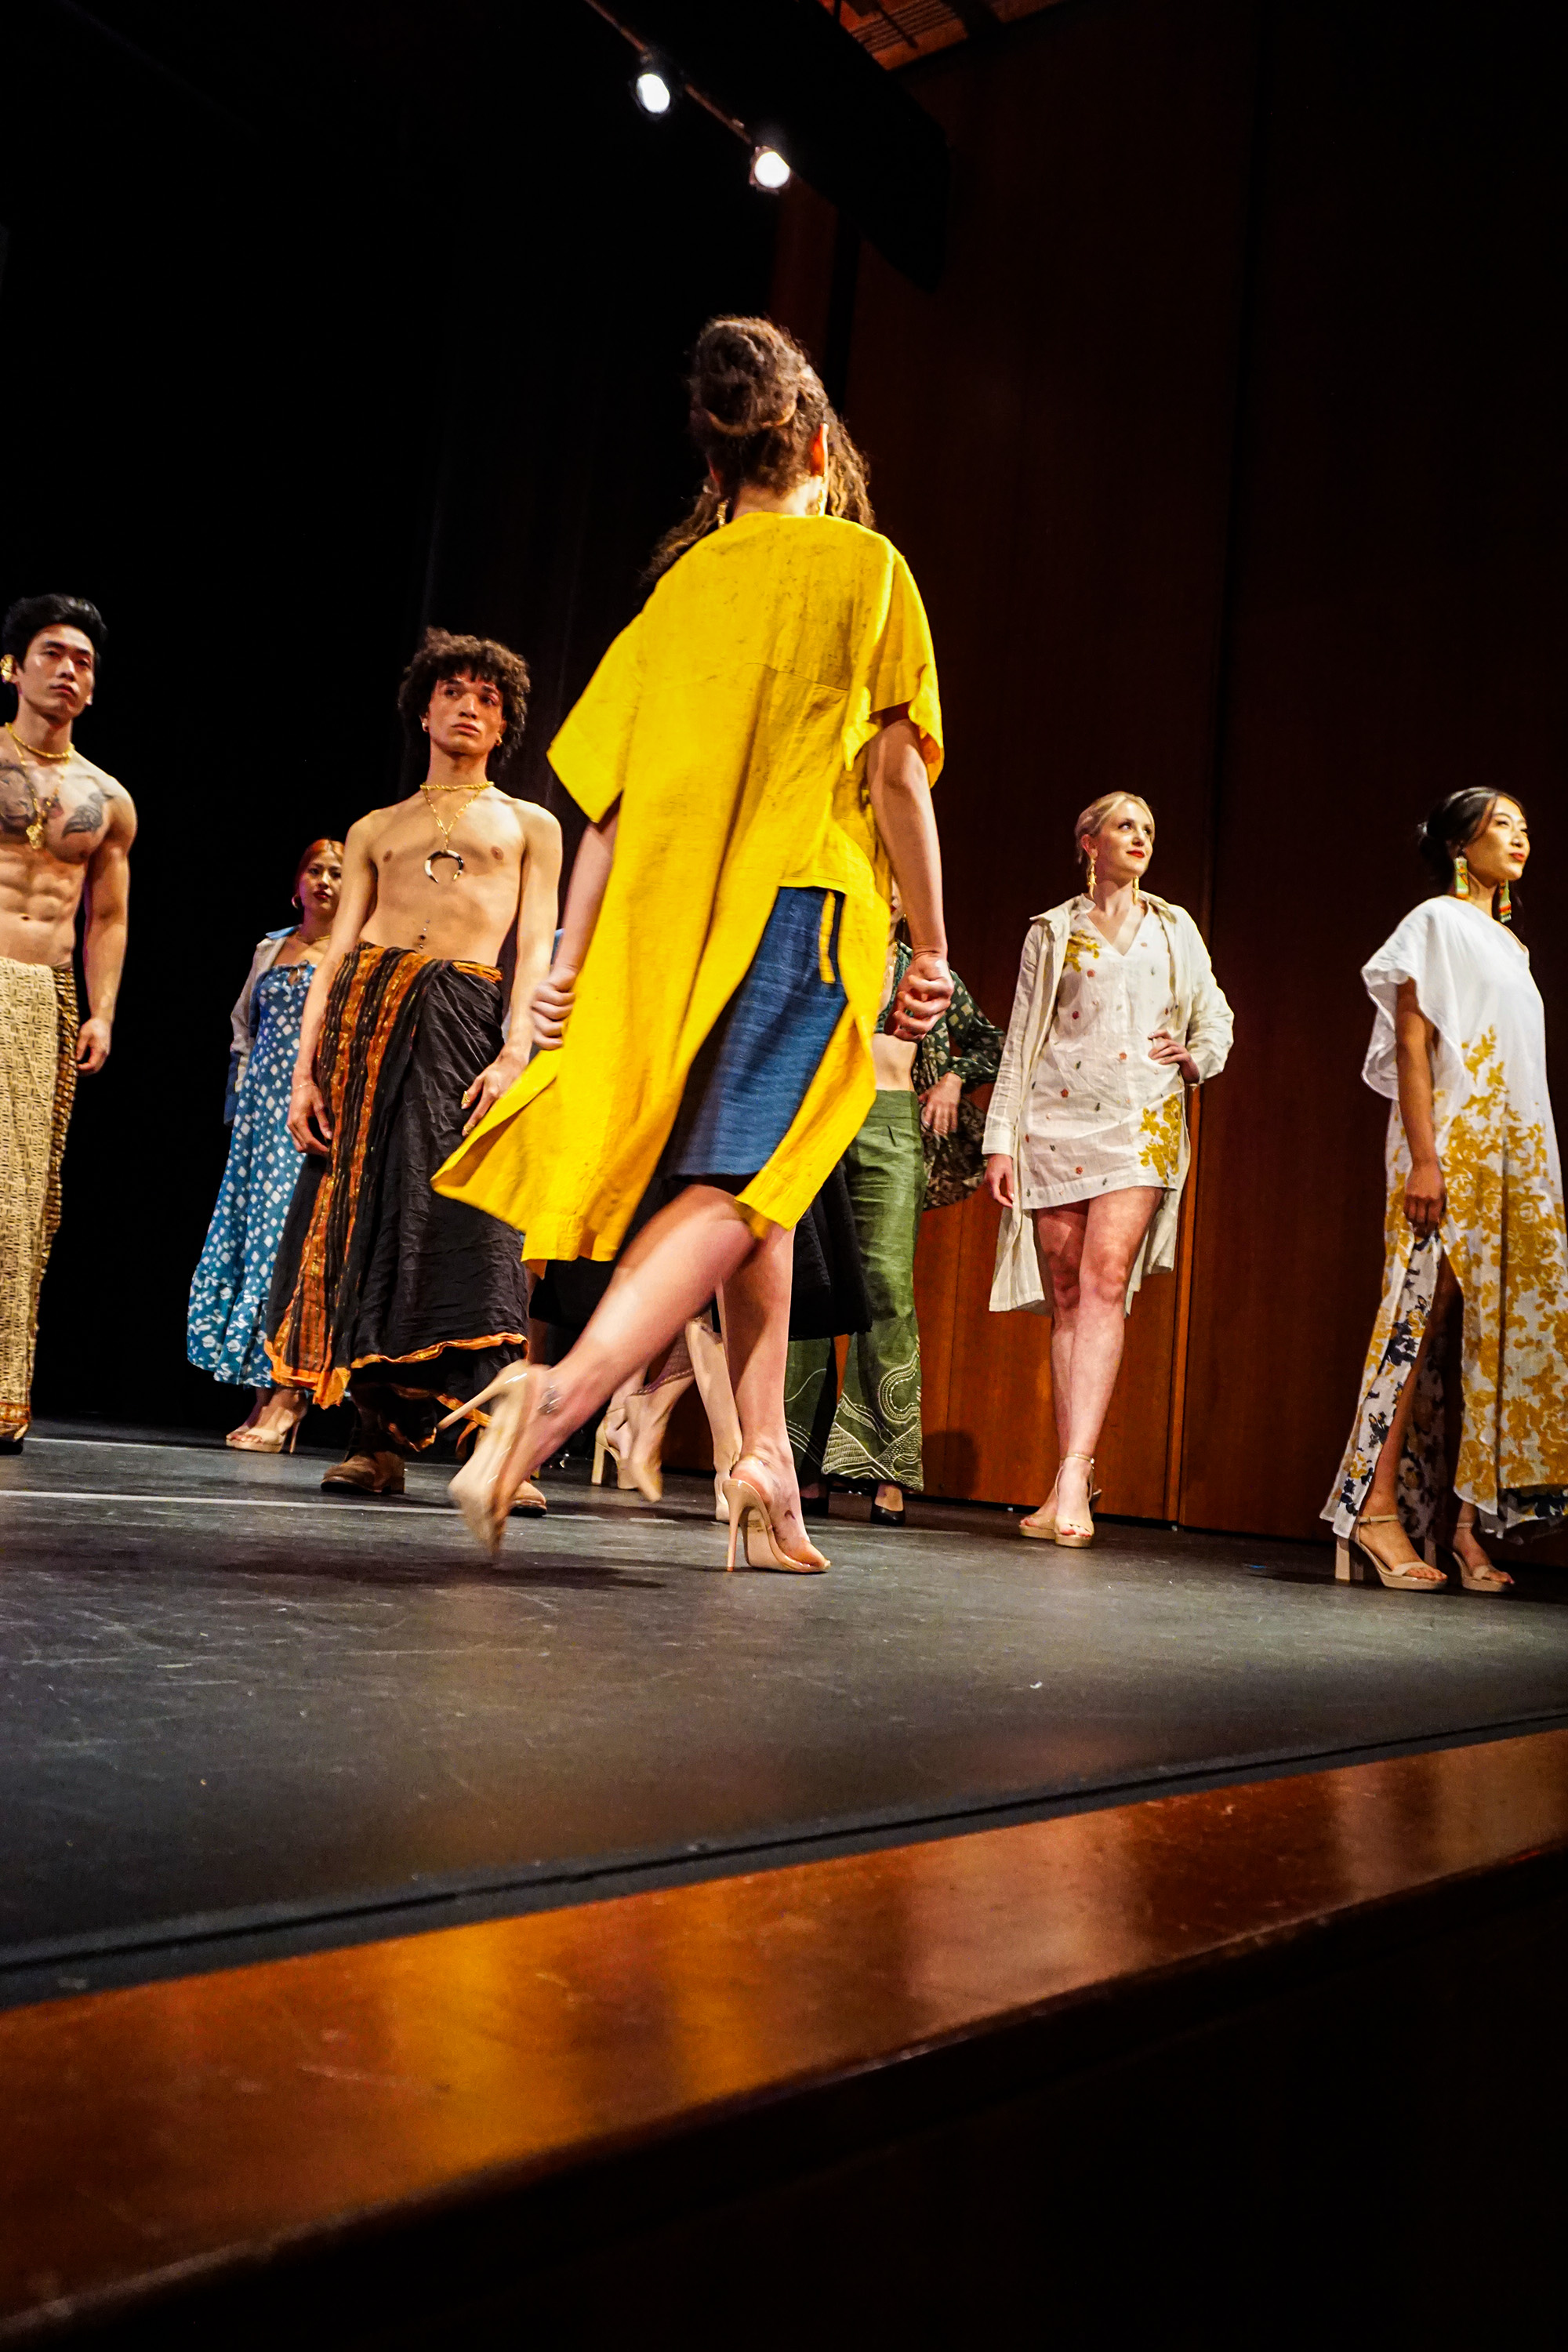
x=1203 y=1023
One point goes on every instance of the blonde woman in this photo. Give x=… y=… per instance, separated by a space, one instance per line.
x=1117 y=1014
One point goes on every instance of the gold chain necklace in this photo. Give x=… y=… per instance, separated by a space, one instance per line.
x=31 y=750
x=445 y=826
x=41 y=810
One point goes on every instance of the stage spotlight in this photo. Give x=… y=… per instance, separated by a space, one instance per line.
x=653 y=86
x=769 y=170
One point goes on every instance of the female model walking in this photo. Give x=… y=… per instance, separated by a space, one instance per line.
x=754 y=755
x=226 y=1331
x=1474 y=1215
x=1117 y=1014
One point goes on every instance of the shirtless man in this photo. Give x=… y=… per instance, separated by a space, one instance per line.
x=66 y=831
x=384 y=1291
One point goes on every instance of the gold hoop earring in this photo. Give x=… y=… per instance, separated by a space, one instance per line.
x=1504 y=906
x=1091 y=871
x=1461 y=878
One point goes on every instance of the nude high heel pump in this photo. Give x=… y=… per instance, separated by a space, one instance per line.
x=747 y=1505
x=1352 y=1560
x=1067 y=1532
x=477 y=1490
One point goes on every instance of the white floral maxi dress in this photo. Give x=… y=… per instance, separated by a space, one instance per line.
x=1503 y=1233
x=1103 y=1114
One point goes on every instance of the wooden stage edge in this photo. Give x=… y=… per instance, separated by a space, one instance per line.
x=438 y=2120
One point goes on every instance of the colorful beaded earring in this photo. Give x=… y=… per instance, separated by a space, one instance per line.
x=1504 y=906
x=1461 y=878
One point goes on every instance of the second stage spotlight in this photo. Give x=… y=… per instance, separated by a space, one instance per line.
x=769 y=170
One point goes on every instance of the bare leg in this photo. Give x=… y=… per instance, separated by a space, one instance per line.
x=669 y=1273
x=757 y=1335
x=1390 y=1543
x=1095 y=1259
x=712 y=1367
x=1058 y=1243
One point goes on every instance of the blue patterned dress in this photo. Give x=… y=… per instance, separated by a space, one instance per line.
x=226 y=1331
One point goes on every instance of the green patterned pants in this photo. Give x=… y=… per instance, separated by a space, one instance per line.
x=873 y=1429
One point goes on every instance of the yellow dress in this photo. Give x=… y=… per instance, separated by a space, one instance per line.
x=731 y=719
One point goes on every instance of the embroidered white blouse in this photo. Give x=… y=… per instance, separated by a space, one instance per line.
x=1201 y=1019
x=1103 y=1114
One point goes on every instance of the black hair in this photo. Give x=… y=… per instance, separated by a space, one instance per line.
x=1457 y=819
x=443 y=655
x=30 y=615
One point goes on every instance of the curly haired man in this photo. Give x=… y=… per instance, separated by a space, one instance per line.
x=384 y=1292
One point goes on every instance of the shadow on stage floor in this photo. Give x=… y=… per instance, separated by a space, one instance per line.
x=241 y=1721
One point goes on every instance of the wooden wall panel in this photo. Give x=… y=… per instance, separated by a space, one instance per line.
x=1400 y=606
x=1050 y=438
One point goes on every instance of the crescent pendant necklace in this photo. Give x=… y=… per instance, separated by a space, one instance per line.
x=445 y=827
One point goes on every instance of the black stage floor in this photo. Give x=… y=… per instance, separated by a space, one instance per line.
x=238 y=1718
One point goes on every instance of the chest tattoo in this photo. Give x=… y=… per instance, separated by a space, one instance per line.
x=86 y=816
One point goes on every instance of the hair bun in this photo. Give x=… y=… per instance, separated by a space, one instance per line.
x=747 y=378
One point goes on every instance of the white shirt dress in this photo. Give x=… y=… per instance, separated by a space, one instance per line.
x=1102 y=1115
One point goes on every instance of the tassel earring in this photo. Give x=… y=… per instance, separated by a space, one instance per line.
x=1461 y=878
x=1504 y=906
x=1092 y=873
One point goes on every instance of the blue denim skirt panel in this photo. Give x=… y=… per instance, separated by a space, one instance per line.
x=753 y=1073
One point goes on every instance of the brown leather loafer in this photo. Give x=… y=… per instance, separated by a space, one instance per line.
x=365 y=1474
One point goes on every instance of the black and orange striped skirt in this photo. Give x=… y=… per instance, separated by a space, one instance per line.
x=380 y=1285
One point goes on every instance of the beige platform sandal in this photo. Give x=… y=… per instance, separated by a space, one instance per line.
x=1069 y=1534
x=1352 y=1559
x=1042 y=1524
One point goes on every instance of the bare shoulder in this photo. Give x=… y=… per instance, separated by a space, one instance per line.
x=107 y=802
x=540 y=829
x=367 y=829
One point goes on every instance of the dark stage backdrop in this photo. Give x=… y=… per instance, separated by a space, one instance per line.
x=1230 y=458
x=309 y=338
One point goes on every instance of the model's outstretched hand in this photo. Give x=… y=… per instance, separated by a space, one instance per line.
x=309 y=1121
x=551 y=1007
x=924 y=994
x=999 y=1180
x=501 y=1074
x=92 y=1045
x=939 y=1104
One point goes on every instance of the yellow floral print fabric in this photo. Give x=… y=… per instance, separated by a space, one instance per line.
x=1502 y=1233
x=1102 y=1115
x=731 y=721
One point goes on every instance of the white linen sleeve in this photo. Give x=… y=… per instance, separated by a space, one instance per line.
x=1007 y=1094
x=1211 y=1025
x=1428 y=949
